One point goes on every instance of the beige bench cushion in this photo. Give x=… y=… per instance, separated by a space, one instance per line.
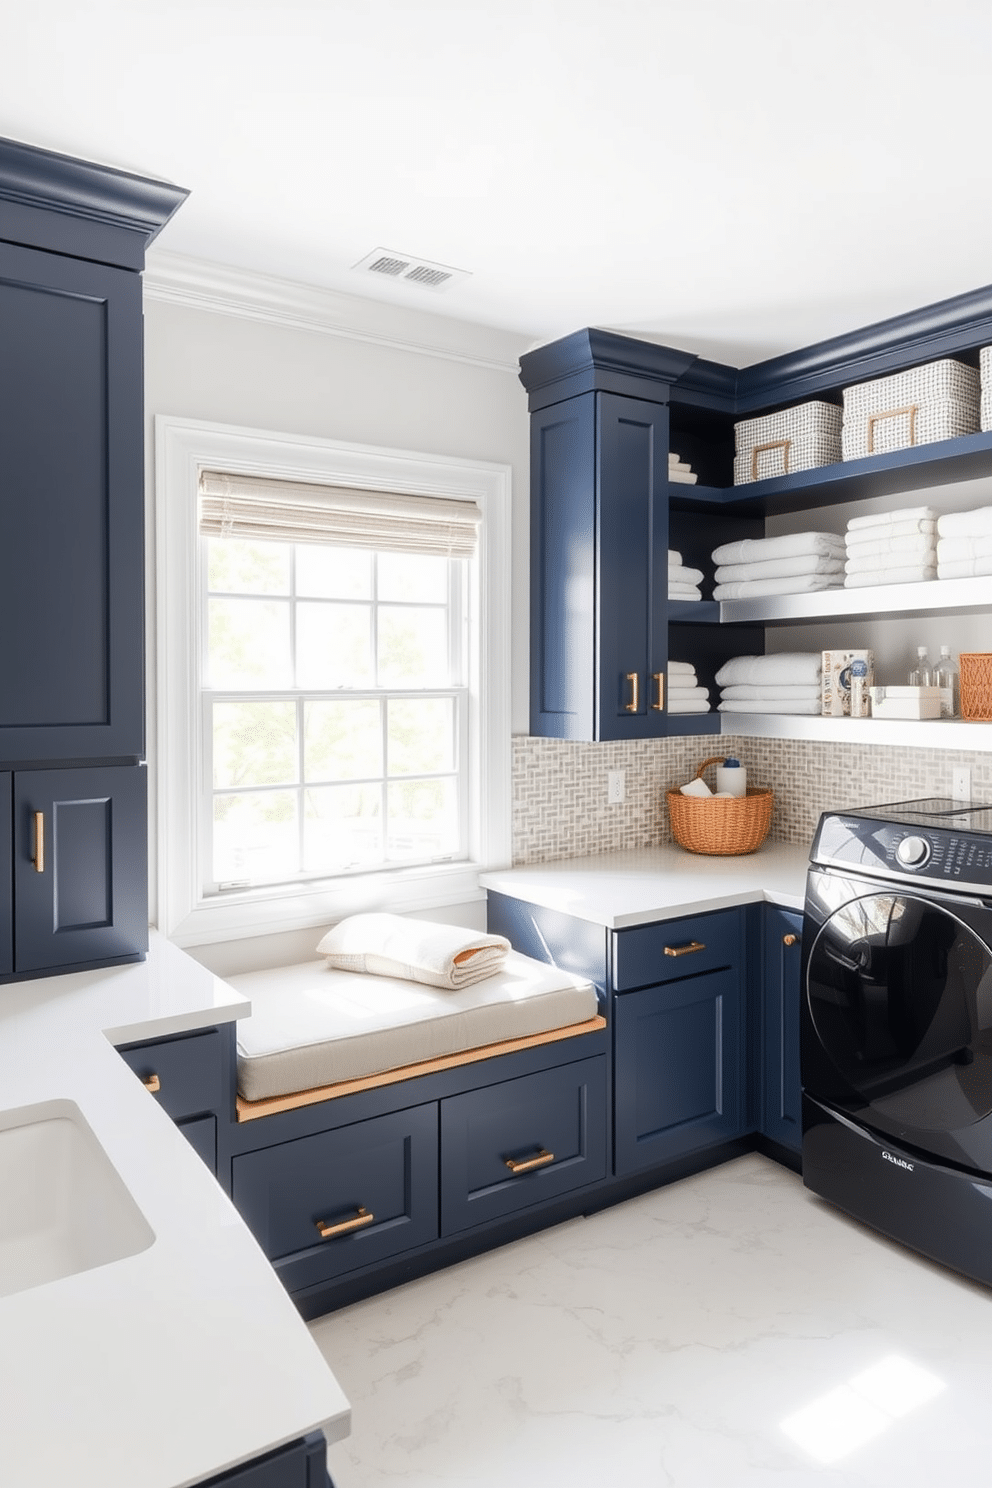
x=312 y=1026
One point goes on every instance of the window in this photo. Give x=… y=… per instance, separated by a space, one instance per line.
x=343 y=750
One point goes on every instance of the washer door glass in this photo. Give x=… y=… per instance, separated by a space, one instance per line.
x=900 y=994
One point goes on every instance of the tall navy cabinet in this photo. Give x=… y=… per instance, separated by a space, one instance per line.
x=72 y=789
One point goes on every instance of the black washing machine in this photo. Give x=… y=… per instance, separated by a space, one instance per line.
x=896 y=1024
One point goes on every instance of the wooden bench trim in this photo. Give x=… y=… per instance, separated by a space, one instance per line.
x=252 y=1110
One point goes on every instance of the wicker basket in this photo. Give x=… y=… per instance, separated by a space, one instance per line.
x=976 y=685
x=921 y=406
x=718 y=826
x=985 y=369
x=799 y=438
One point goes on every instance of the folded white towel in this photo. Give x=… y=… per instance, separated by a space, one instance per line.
x=756 y=550
x=418 y=950
x=798 y=584
x=883 y=519
x=967 y=523
x=690 y=705
x=965 y=568
x=681 y=668
x=799 y=667
x=684 y=591
x=778 y=568
x=954 y=549
x=684 y=694
x=740 y=692
x=773 y=705
x=682 y=575
x=674 y=559
x=912 y=528
x=907 y=548
x=919 y=573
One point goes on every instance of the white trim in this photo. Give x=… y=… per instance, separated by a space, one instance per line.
x=175 y=279
x=182 y=448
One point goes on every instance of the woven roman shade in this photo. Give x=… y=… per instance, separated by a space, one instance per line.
x=257 y=508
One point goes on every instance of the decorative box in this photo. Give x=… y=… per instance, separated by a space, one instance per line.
x=835 y=685
x=925 y=404
x=799 y=438
x=905 y=702
x=985 y=368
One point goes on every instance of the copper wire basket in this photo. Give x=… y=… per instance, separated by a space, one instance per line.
x=720 y=826
x=976 y=685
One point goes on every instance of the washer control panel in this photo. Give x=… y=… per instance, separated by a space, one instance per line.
x=906 y=851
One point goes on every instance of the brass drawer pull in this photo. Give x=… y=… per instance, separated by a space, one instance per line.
x=152 y=1083
x=686 y=950
x=790 y=940
x=39 y=842
x=528 y=1164
x=635 y=697
x=659 y=678
x=346 y=1226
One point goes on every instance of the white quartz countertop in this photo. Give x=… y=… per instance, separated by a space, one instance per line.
x=657 y=883
x=187 y=1358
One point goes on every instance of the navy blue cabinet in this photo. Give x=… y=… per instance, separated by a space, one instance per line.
x=302 y=1464
x=6 y=874
x=191 y=1076
x=781 y=1106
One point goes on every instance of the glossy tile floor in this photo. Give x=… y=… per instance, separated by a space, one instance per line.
x=728 y=1330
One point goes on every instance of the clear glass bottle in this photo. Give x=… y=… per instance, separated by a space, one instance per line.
x=922 y=673
x=947 y=677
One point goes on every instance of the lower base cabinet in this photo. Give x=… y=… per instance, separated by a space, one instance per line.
x=303 y=1464
x=781 y=1094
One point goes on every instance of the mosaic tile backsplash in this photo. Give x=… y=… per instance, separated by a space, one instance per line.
x=559 y=789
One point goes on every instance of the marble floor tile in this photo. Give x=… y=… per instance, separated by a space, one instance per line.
x=727 y=1330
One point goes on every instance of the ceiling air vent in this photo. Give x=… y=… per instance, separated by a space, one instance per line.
x=420 y=271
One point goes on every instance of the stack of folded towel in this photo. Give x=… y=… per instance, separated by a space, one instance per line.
x=417 y=950
x=964 y=544
x=684 y=692
x=680 y=470
x=786 y=683
x=683 y=583
x=898 y=547
x=799 y=564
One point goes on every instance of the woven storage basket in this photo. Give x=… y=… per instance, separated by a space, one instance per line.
x=985 y=369
x=799 y=438
x=976 y=685
x=921 y=406
x=718 y=826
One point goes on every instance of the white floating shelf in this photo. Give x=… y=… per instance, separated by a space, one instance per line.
x=911 y=733
x=964 y=596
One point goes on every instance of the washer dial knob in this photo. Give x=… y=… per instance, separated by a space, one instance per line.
x=913 y=852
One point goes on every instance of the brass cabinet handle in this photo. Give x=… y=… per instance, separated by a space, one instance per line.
x=659 y=677
x=790 y=940
x=528 y=1164
x=39 y=842
x=686 y=950
x=634 y=703
x=152 y=1083
x=346 y=1226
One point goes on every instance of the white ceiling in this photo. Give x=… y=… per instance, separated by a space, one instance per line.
x=736 y=177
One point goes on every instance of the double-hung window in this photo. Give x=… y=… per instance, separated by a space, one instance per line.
x=336 y=654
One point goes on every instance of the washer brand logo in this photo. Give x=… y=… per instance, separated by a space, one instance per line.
x=899 y=1162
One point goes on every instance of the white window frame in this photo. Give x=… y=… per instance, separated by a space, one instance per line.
x=184 y=447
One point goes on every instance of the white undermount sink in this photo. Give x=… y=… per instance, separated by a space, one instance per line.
x=64 y=1208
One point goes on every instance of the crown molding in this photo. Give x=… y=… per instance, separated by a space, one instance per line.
x=222 y=289
x=46 y=180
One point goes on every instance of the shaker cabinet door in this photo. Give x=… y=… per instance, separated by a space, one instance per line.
x=6 y=869
x=781 y=1096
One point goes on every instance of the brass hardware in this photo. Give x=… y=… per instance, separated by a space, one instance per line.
x=873 y=419
x=790 y=940
x=152 y=1083
x=39 y=842
x=345 y=1227
x=686 y=950
x=528 y=1164
x=659 y=677
x=759 y=449
x=634 y=703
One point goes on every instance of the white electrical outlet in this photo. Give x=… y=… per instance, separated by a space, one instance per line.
x=615 y=787
x=961 y=784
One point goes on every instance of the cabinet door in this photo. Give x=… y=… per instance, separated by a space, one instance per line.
x=6 y=870
x=679 y=1079
x=71 y=555
x=80 y=866
x=302 y=1464
x=781 y=1095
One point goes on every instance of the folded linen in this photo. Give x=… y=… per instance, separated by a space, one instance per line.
x=756 y=549
x=681 y=669
x=911 y=528
x=906 y=548
x=771 y=691
x=976 y=523
x=965 y=568
x=953 y=549
x=799 y=667
x=674 y=559
x=417 y=950
x=778 y=568
x=917 y=573
x=683 y=575
x=689 y=705
x=882 y=519
x=684 y=591
x=772 y=705
x=684 y=694
x=798 y=584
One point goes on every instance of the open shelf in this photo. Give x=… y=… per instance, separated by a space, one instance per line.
x=939 y=596
x=949 y=733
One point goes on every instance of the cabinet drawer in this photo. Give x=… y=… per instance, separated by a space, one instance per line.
x=561 y=1112
x=382 y=1171
x=189 y=1072
x=649 y=954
